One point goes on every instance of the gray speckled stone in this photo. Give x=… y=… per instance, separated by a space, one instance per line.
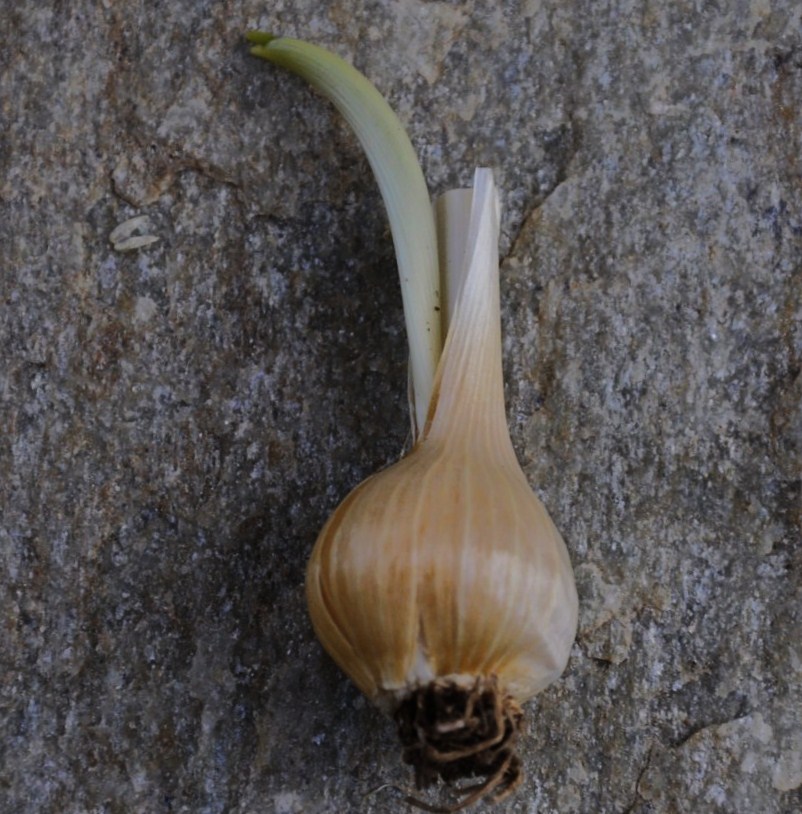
x=178 y=420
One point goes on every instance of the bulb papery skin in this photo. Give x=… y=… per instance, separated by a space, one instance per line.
x=439 y=568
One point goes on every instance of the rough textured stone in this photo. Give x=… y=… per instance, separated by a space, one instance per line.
x=178 y=420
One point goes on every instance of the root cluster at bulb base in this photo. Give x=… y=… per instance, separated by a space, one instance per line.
x=453 y=729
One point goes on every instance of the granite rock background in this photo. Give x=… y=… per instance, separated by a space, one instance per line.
x=178 y=420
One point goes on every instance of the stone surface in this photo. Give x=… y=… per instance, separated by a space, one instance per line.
x=179 y=419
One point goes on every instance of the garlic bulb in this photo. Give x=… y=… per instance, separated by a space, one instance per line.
x=440 y=584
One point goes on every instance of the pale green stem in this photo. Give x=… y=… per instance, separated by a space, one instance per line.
x=403 y=189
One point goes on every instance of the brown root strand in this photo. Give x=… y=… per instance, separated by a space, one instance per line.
x=452 y=732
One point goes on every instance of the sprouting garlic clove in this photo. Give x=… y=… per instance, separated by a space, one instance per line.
x=440 y=585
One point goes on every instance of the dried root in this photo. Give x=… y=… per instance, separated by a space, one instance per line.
x=451 y=732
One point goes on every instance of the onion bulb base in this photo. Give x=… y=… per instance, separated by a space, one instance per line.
x=451 y=730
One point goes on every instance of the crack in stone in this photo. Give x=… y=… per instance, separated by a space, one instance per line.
x=647 y=763
x=572 y=135
x=743 y=712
